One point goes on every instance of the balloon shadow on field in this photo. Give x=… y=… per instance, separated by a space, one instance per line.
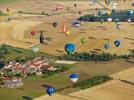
x=26 y=98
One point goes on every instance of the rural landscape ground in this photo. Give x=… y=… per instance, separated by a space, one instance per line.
x=16 y=33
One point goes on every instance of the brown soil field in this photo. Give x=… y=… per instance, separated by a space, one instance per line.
x=17 y=32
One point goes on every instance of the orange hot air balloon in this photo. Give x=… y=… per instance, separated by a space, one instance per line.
x=64 y=29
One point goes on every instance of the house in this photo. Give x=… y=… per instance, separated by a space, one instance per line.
x=12 y=83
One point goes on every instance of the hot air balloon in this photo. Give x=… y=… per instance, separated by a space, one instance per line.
x=64 y=29
x=42 y=38
x=69 y=48
x=35 y=49
x=118 y=26
x=114 y=7
x=129 y=13
x=108 y=2
x=75 y=5
x=114 y=4
x=76 y=24
x=8 y=10
x=59 y=7
x=83 y=40
x=99 y=13
x=74 y=78
x=50 y=91
x=33 y=32
x=55 y=24
x=132 y=4
x=129 y=20
x=67 y=33
x=106 y=46
x=80 y=12
x=117 y=43
x=109 y=20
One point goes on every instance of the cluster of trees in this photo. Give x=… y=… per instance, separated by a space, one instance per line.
x=89 y=57
x=95 y=57
x=122 y=15
x=93 y=81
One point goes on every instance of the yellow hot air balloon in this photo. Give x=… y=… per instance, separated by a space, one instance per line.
x=67 y=33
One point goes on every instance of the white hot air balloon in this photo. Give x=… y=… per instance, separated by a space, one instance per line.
x=129 y=20
x=114 y=7
x=109 y=20
x=114 y=4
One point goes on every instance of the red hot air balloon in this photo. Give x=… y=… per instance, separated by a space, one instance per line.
x=33 y=32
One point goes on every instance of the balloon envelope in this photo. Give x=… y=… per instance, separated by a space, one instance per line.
x=50 y=91
x=117 y=43
x=55 y=24
x=74 y=78
x=33 y=32
x=69 y=48
x=109 y=19
x=106 y=46
x=35 y=49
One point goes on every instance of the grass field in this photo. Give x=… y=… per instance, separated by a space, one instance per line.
x=9 y=1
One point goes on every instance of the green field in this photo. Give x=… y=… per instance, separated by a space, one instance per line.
x=9 y=1
x=13 y=53
x=34 y=86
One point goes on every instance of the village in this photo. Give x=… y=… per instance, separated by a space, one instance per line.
x=12 y=73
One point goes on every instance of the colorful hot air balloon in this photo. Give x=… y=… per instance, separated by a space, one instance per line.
x=69 y=48
x=64 y=29
x=76 y=24
x=106 y=46
x=74 y=78
x=108 y=2
x=50 y=91
x=33 y=32
x=117 y=43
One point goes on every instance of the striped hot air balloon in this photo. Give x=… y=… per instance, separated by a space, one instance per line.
x=108 y=2
x=64 y=29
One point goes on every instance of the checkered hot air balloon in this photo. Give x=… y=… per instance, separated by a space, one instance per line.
x=108 y=2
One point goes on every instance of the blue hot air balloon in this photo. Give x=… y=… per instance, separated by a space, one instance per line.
x=117 y=43
x=74 y=78
x=50 y=91
x=129 y=13
x=69 y=48
x=106 y=46
x=99 y=13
